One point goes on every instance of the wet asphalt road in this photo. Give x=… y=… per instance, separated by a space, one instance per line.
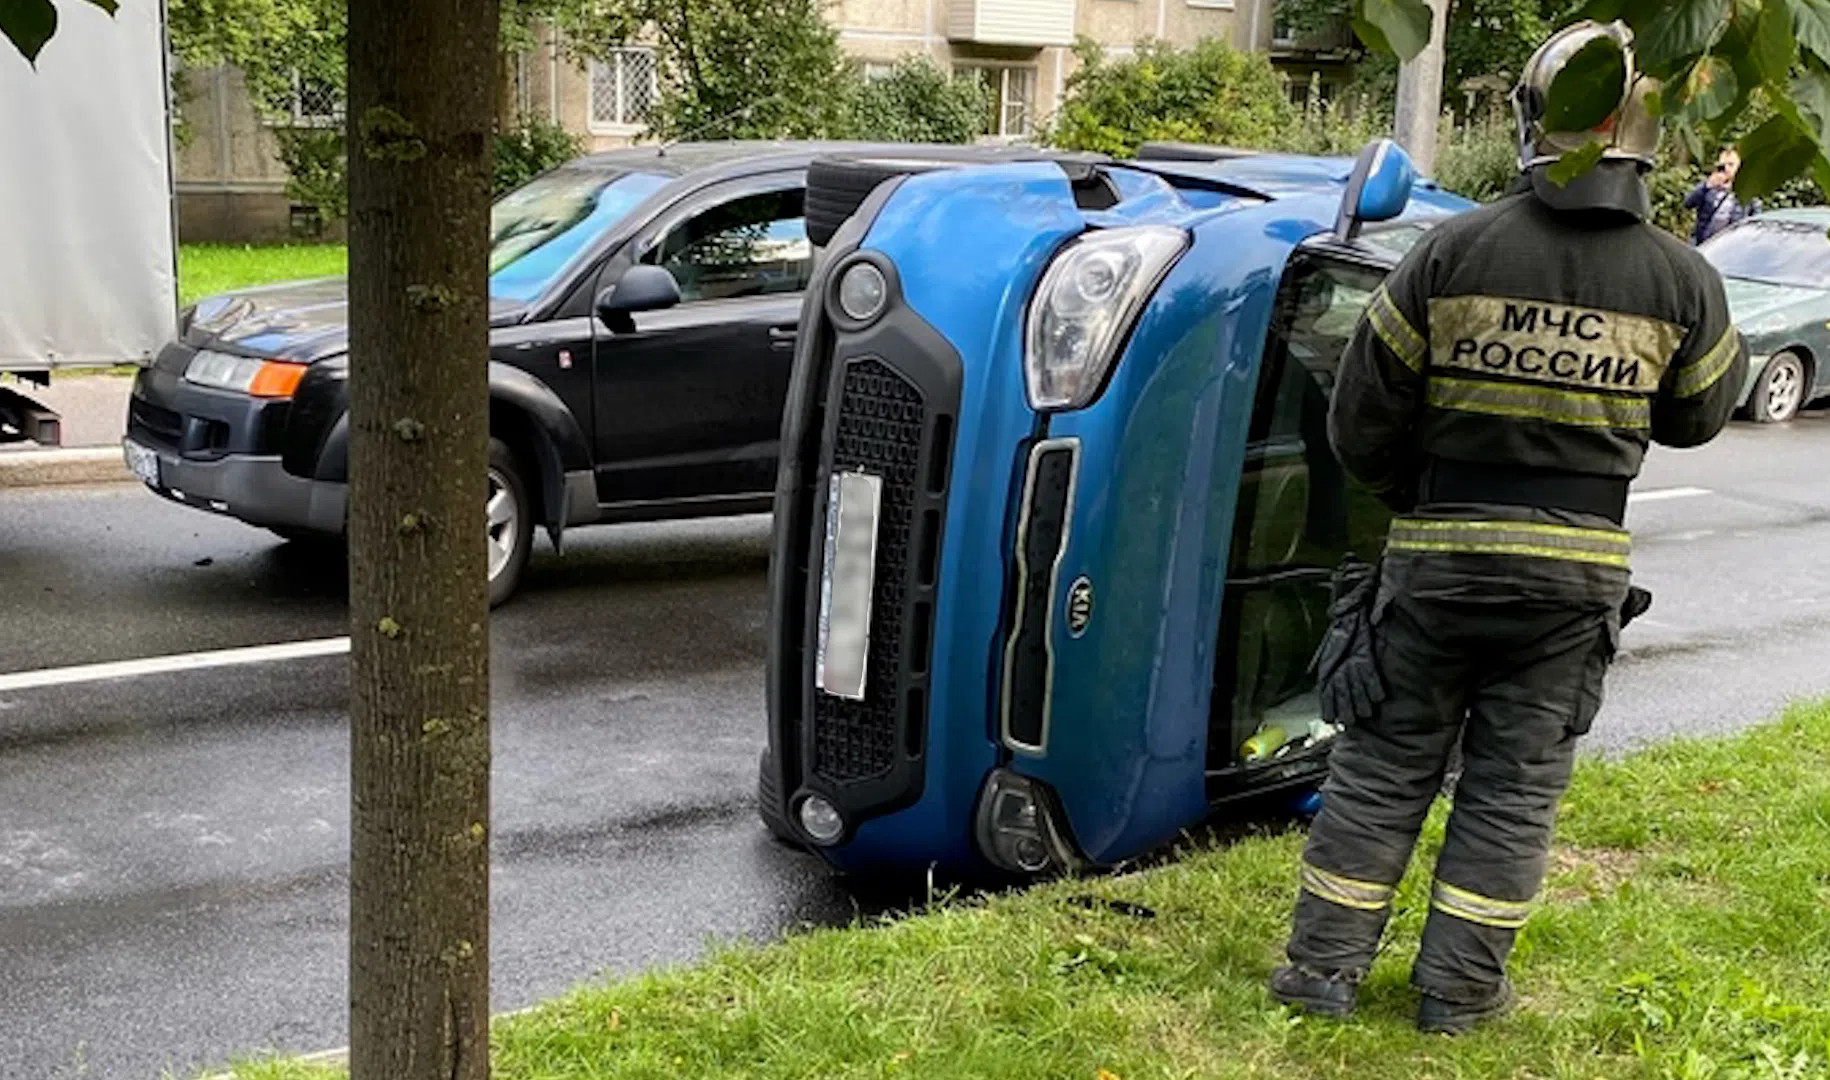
x=172 y=846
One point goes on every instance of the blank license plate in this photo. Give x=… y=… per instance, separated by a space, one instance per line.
x=142 y=462
x=853 y=507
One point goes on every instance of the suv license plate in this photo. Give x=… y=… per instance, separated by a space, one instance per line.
x=853 y=508
x=141 y=461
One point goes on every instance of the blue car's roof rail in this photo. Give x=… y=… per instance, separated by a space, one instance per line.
x=1187 y=151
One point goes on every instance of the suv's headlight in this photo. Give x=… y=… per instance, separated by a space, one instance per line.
x=1087 y=301
x=261 y=378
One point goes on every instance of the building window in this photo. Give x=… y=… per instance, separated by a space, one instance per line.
x=1011 y=96
x=876 y=72
x=623 y=89
x=1310 y=92
x=1283 y=35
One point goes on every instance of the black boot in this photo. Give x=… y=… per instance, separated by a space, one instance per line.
x=1321 y=993
x=1437 y=1016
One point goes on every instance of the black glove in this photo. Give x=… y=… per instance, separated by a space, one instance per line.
x=1635 y=605
x=1347 y=672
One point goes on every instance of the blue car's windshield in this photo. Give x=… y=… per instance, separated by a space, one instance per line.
x=534 y=231
x=1779 y=252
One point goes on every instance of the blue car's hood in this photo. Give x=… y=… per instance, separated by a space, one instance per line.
x=300 y=320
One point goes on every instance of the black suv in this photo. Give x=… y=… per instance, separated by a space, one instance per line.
x=643 y=313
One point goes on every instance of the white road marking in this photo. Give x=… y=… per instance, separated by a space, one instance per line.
x=160 y=665
x=1661 y=494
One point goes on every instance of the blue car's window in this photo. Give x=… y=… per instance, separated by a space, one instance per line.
x=1395 y=241
x=1298 y=512
x=536 y=230
x=1780 y=252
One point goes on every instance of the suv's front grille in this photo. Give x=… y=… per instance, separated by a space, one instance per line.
x=880 y=423
x=161 y=423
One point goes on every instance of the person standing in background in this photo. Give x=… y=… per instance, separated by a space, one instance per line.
x=1714 y=199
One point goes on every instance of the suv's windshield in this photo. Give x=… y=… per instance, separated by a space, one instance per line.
x=1780 y=252
x=534 y=231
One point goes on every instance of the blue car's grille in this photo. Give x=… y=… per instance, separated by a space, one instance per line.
x=881 y=399
x=879 y=431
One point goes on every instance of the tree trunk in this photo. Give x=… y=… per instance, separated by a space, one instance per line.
x=421 y=111
x=508 y=91
x=1419 y=106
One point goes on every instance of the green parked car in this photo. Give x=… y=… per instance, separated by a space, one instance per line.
x=1777 y=270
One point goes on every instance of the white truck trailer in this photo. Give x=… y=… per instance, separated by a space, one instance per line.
x=88 y=274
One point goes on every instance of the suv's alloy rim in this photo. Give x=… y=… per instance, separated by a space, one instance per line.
x=504 y=523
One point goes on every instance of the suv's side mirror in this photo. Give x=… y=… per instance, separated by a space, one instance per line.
x=641 y=288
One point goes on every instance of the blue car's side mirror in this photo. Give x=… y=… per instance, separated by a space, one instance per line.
x=1377 y=189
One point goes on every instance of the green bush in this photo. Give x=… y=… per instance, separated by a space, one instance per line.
x=1332 y=128
x=1479 y=160
x=916 y=102
x=1209 y=93
x=317 y=172
x=317 y=169
x=531 y=149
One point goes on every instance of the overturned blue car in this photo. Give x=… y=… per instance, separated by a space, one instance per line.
x=1056 y=512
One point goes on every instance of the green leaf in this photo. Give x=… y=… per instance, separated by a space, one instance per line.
x=1811 y=25
x=1588 y=89
x=1810 y=90
x=1771 y=154
x=28 y=24
x=110 y=6
x=1677 y=33
x=1710 y=88
x=1403 y=25
x=1693 y=143
x=1575 y=163
x=1772 y=47
x=1371 y=36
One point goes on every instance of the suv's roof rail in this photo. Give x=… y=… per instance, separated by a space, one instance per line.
x=1186 y=151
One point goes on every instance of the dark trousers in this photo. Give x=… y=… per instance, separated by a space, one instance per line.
x=1515 y=684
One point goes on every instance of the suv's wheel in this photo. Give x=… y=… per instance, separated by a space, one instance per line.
x=837 y=186
x=510 y=522
x=1780 y=390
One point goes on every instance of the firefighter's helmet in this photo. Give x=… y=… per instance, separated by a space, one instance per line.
x=1630 y=132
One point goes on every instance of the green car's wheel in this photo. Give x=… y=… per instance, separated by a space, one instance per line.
x=1780 y=390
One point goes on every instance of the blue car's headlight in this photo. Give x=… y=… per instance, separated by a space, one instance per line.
x=1086 y=303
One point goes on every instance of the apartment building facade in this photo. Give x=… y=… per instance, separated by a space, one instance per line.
x=231 y=185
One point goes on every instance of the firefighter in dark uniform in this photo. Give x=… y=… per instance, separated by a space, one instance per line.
x=1499 y=394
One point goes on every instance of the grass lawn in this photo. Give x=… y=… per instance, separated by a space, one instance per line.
x=1684 y=934
x=207 y=269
